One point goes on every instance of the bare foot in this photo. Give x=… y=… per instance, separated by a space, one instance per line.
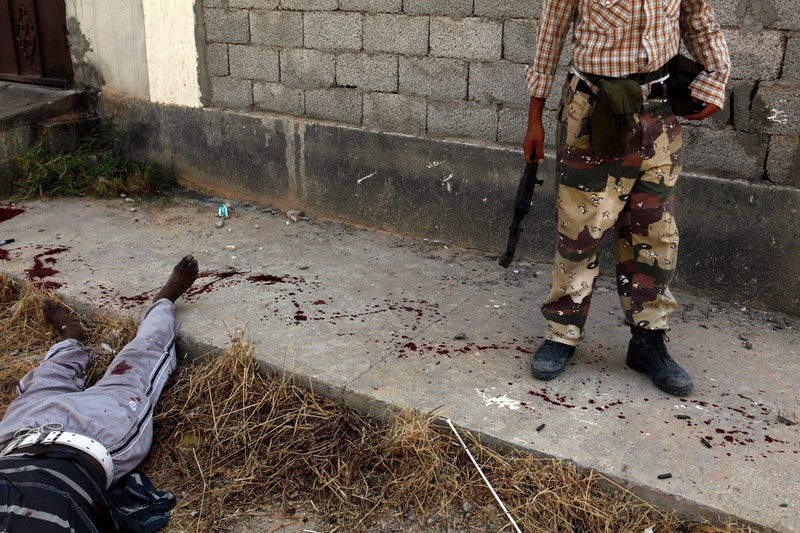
x=57 y=316
x=182 y=277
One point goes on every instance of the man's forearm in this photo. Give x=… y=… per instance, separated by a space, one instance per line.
x=534 y=136
x=535 y=110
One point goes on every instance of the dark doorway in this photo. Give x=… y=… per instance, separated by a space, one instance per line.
x=33 y=42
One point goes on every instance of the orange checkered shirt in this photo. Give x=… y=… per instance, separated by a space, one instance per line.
x=620 y=37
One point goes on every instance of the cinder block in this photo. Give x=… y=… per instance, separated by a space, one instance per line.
x=212 y=3
x=368 y=72
x=433 y=77
x=519 y=40
x=332 y=30
x=727 y=12
x=232 y=92
x=278 y=98
x=507 y=8
x=217 y=57
x=498 y=82
x=452 y=8
x=254 y=4
x=776 y=108
x=277 y=28
x=791 y=61
x=372 y=6
x=337 y=104
x=755 y=56
x=399 y=34
x=309 y=5
x=227 y=26
x=468 y=38
x=303 y=68
x=395 y=112
x=513 y=123
x=724 y=153
x=455 y=118
x=254 y=62
x=788 y=15
x=783 y=163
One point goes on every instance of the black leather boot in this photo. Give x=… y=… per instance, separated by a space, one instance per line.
x=648 y=354
x=550 y=358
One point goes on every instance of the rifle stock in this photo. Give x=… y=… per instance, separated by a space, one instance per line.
x=522 y=204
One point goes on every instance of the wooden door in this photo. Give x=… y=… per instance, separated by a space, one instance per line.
x=33 y=42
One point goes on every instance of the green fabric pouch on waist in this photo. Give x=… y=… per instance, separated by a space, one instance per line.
x=613 y=124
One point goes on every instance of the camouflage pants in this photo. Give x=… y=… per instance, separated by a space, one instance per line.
x=634 y=195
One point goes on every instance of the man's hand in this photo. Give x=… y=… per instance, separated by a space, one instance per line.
x=703 y=110
x=534 y=143
x=534 y=136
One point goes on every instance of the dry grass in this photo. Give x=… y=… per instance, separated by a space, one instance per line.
x=231 y=441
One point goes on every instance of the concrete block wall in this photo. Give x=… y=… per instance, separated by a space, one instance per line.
x=454 y=68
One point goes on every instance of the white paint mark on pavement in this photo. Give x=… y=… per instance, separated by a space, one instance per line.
x=499 y=401
x=446 y=182
x=365 y=178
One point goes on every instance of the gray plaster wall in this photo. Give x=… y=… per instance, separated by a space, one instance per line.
x=108 y=45
x=455 y=69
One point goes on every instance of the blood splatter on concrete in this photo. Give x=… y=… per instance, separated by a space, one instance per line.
x=42 y=268
x=135 y=301
x=7 y=212
x=217 y=279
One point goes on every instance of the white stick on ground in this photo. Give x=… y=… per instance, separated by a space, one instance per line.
x=496 y=497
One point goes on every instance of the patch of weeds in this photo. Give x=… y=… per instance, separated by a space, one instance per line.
x=91 y=169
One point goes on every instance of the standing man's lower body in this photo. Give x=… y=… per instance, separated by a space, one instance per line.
x=634 y=195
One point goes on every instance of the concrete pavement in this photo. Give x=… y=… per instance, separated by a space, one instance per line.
x=381 y=320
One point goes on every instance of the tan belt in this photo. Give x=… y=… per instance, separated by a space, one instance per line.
x=79 y=442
